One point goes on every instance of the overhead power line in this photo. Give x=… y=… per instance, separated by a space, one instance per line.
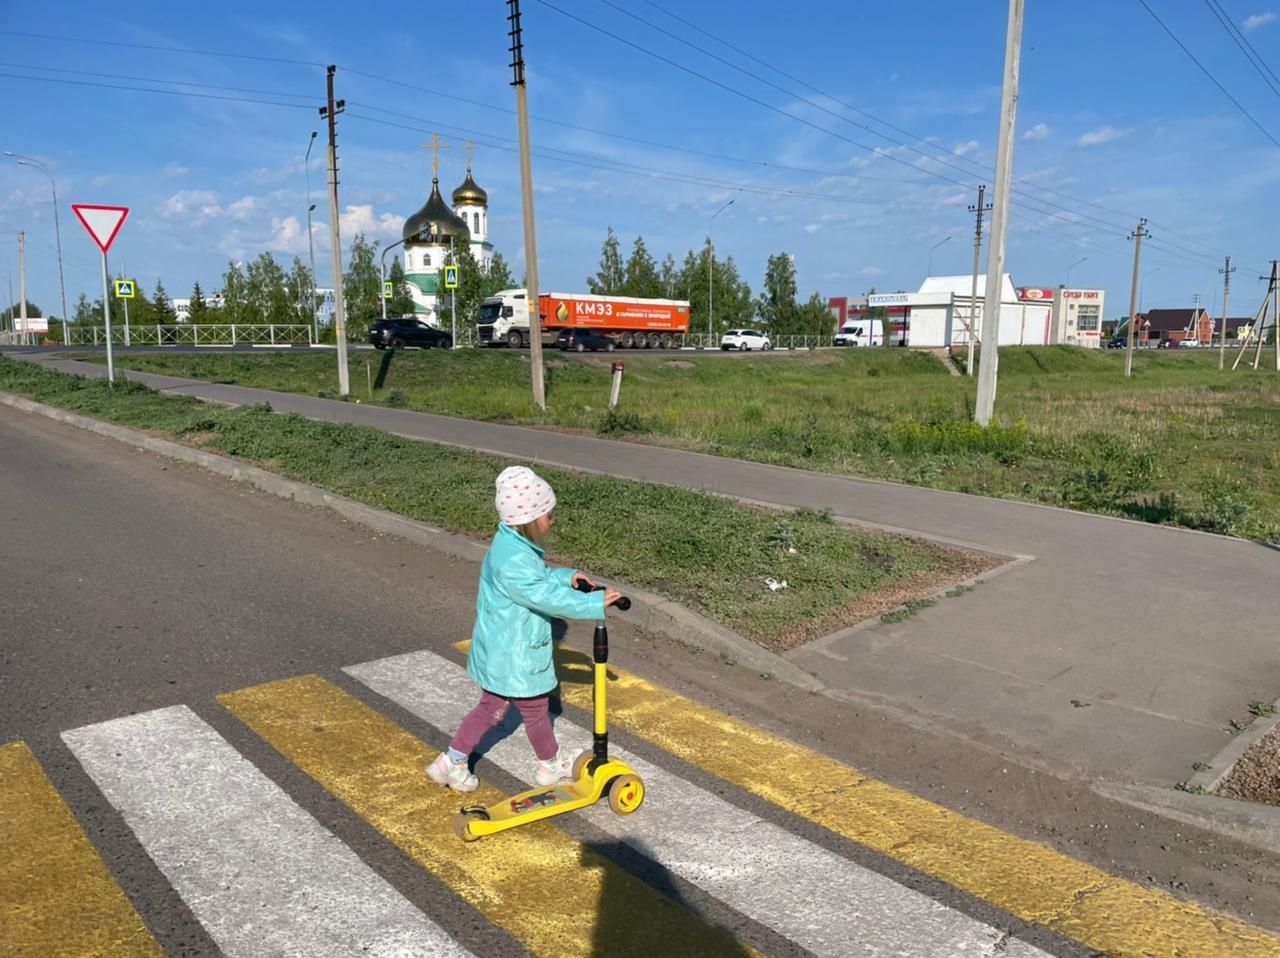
x=143 y=89
x=186 y=51
x=1241 y=41
x=1205 y=70
x=120 y=76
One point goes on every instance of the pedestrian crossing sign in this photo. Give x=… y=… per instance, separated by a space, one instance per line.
x=451 y=277
x=125 y=289
x=388 y=290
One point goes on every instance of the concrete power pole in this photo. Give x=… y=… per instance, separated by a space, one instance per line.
x=973 y=289
x=1226 y=272
x=1138 y=234
x=526 y=189
x=22 y=282
x=330 y=112
x=986 y=401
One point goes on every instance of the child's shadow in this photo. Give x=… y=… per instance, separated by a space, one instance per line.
x=572 y=667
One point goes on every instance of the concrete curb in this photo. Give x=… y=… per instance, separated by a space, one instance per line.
x=1220 y=765
x=1256 y=825
x=649 y=611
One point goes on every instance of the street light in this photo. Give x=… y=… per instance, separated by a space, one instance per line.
x=711 y=260
x=931 y=249
x=1142 y=283
x=311 y=245
x=57 y=232
x=382 y=272
x=1073 y=266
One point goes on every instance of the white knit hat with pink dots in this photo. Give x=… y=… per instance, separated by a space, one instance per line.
x=523 y=496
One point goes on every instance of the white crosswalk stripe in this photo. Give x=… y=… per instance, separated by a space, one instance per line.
x=804 y=892
x=260 y=874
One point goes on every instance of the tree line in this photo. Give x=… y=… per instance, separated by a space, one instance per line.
x=712 y=285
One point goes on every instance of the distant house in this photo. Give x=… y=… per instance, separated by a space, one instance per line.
x=1176 y=325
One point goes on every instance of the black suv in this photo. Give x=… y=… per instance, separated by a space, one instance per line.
x=399 y=333
x=581 y=340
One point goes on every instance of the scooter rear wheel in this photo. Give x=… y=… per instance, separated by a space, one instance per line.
x=626 y=792
x=462 y=823
x=580 y=765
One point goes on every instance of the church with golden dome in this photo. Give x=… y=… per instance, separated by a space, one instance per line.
x=435 y=229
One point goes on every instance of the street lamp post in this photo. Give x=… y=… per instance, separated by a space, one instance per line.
x=382 y=272
x=711 y=260
x=1073 y=266
x=57 y=232
x=311 y=245
x=931 y=249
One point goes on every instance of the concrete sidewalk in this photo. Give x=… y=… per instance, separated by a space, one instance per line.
x=1119 y=650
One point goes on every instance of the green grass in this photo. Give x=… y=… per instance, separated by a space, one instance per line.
x=1180 y=443
x=703 y=551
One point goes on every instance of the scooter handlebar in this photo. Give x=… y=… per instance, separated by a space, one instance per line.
x=621 y=605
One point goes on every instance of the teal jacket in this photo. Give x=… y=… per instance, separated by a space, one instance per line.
x=519 y=596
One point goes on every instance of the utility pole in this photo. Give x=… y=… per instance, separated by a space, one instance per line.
x=986 y=400
x=1138 y=235
x=311 y=243
x=526 y=189
x=980 y=209
x=22 y=281
x=1226 y=272
x=330 y=112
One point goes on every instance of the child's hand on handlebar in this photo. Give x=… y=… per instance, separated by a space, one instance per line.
x=611 y=596
x=580 y=580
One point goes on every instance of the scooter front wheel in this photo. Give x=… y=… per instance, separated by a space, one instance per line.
x=626 y=792
x=580 y=765
x=462 y=822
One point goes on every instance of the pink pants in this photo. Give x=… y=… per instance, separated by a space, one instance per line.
x=535 y=713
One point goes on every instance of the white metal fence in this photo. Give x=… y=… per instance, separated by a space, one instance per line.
x=193 y=335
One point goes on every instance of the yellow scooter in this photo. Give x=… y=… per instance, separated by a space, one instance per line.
x=594 y=773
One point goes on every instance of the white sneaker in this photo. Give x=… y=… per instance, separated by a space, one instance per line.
x=558 y=769
x=451 y=774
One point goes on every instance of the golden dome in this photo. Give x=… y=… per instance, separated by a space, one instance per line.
x=435 y=222
x=470 y=193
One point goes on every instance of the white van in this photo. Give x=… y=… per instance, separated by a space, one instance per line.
x=861 y=332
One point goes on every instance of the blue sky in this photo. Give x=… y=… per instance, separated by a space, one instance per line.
x=1111 y=113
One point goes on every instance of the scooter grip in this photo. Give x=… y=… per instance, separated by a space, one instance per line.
x=622 y=605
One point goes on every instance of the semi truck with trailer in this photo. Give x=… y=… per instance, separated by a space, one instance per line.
x=633 y=323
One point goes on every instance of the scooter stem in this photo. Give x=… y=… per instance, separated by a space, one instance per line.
x=600 y=657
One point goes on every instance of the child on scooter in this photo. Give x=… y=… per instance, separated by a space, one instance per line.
x=510 y=657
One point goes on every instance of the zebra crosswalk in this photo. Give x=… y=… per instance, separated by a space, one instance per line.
x=264 y=877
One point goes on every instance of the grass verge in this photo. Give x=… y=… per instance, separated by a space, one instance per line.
x=707 y=553
x=1180 y=442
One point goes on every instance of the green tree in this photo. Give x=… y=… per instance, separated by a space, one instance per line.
x=777 y=304
x=668 y=278
x=141 y=310
x=198 y=312
x=13 y=314
x=815 y=317
x=732 y=300
x=84 y=314
x=362 y=287
x=641 y=274
x=401 y=302
x=162 y=311
x=612 y=276
x=300 y=287
x=267 y=291
x=236 y=306
x=475 y=285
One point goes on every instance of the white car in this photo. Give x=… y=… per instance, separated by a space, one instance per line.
x=745 y=339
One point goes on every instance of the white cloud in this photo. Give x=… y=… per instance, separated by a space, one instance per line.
x=242 y=208
x=812 y=228
x=1037 y=133
x=870 y=271
x=964 y=149
x=361 y=219
x=1256 y=20
x=195 y=205
x=1103 y=134
x=176 y=170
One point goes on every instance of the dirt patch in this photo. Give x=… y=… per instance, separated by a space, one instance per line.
x=1256 y=777
x=680 y=364
x=200 y=439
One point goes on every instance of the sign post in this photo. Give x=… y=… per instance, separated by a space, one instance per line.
x=103 y=224
x=451 y=284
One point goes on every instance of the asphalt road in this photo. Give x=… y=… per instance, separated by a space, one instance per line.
x=137 y=590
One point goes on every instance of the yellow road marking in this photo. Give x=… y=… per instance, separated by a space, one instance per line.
x=556 y=896
x=56 y=895
x=1032 y=881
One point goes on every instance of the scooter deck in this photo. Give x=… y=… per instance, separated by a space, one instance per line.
x=545 y=801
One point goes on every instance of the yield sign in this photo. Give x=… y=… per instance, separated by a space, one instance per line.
x=102 y=222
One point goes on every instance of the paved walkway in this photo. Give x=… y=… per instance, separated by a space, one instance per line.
x=1120 y=650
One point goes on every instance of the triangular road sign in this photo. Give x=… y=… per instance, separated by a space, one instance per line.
x=102 y=222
